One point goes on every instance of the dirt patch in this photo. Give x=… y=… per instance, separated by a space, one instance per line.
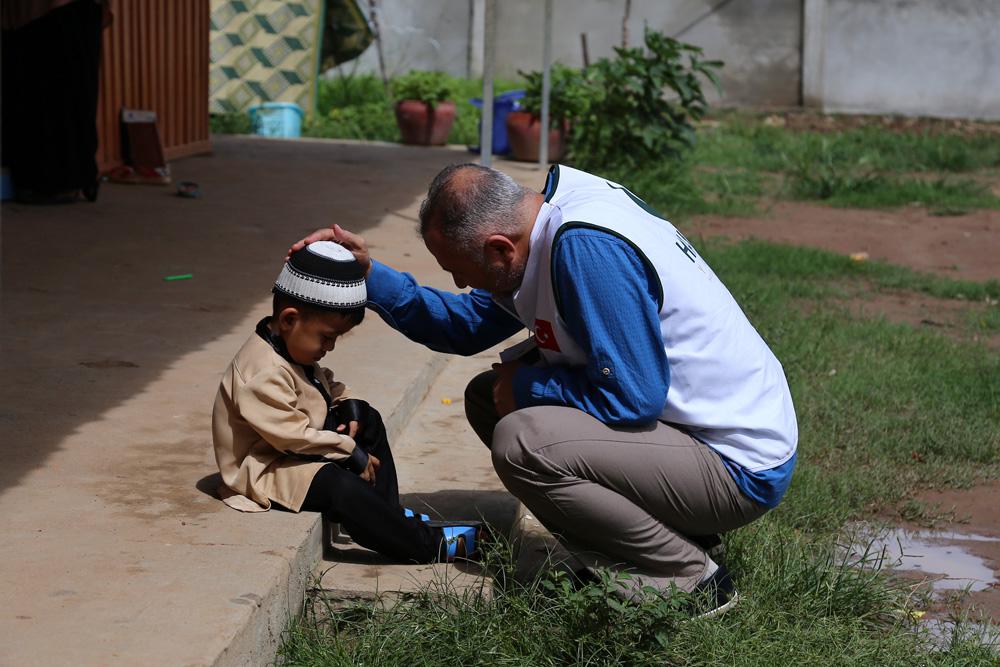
x=951 y=317
x=961 y=247
x=811 y=121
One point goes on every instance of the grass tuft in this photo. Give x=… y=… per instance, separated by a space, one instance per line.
x=884 y=409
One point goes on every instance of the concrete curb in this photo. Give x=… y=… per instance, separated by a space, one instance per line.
x=258 y=641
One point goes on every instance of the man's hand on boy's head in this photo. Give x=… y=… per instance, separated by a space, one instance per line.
x=351 y=241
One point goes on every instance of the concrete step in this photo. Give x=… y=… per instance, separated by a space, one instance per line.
x=444 y=471
x=115 y=550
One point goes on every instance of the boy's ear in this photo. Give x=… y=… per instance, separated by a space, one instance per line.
x=288 y=317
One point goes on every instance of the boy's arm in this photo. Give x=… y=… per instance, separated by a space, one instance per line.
x=268 y=403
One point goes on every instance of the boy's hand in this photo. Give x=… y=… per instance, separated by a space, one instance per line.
x=352 y=242
x=503 y=387
x=373 y=465
x=349 y=415
x=352 y=428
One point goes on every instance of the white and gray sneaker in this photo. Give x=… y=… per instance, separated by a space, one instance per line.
x=716 y=595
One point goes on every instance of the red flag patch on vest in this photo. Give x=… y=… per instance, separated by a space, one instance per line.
x=545 y=336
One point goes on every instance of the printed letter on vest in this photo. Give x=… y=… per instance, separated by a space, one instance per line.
x=545 y=337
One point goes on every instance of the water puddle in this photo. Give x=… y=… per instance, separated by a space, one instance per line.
x=942 y=633
x=943 y=556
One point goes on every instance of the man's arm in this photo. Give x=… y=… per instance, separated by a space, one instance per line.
x=608 y=300
x=456 y=323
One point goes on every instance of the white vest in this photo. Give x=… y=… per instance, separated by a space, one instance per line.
x=726 y=387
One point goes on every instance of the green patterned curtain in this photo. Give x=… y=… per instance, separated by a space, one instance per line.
x=271 y=50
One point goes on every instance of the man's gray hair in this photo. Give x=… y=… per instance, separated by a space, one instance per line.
x=468 y=202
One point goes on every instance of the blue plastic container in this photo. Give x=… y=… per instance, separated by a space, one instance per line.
x=503 y=104
x=277 y=119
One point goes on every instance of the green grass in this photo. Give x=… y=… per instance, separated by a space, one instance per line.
x=740 y=140
x=859 y=168
x=738 y=160
x=737 y=165
x=884 y=409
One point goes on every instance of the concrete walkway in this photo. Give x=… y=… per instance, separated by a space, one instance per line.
x=115 y=551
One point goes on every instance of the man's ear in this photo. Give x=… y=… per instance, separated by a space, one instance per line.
x=500 y=248
x=287 y=318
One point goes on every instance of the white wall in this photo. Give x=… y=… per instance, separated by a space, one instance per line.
x=917 y=57
x=910 y=57
x=758 y=39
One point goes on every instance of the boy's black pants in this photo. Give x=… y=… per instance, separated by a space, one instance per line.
x=371 y=513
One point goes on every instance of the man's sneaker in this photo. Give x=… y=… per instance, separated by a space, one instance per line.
x=712 y=544
x=716 y=595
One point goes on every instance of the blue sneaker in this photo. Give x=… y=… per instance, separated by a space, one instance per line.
x=462 y=542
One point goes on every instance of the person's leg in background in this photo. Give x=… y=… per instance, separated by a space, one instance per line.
x=50 y=106
x=627 y=496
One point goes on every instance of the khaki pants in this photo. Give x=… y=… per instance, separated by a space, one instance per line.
x=620 y=498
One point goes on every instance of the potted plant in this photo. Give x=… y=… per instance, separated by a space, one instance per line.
x=654 y=96
x=567 y=100
x=423 y=111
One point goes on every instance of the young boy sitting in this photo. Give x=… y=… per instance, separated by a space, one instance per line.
x=286 y=434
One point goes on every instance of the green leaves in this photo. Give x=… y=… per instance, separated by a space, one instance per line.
x=569 y=94
x=427 y=87
x=644 y=104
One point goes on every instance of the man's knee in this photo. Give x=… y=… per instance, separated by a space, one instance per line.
x=479 y=391
x=479 y=409
x=513 y=439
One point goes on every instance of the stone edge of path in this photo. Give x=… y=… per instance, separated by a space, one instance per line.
x=257 y=642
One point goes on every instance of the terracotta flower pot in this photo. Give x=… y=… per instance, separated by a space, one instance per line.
x=424 y=125
x=523 y=132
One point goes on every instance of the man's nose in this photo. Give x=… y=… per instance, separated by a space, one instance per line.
x=330 y=345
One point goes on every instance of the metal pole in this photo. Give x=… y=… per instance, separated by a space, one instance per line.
x=377 y=29
x=489 y=51
x=543 y=134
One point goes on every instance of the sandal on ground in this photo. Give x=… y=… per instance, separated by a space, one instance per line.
x=188 y=190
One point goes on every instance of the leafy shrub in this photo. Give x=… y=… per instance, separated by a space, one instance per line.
x=372 y=121
x=349 y=90
x=568 y=93
x=629 y=120
x=230 y=123
x=427 y=87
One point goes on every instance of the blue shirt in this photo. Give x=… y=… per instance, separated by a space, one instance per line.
x=613 y=315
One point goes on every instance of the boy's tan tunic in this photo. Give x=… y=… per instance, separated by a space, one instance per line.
x=267 y=409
